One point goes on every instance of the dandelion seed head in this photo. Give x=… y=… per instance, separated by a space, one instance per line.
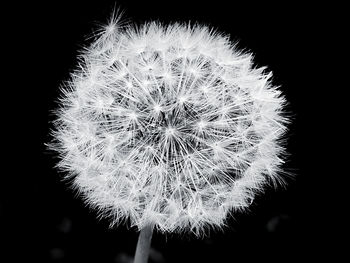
x=169 y=125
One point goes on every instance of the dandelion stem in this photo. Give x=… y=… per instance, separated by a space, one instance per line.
x=143 y=244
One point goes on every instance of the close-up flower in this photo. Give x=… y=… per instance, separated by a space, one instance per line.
x=166 y=132
x=169 y=125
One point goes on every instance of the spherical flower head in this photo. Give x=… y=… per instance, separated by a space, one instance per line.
x=169 y=125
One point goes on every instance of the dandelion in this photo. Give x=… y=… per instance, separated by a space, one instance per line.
x=168 y=127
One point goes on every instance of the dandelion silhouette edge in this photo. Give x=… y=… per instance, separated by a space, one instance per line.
x=169 y=125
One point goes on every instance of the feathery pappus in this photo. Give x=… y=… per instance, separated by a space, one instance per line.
x=169 y=125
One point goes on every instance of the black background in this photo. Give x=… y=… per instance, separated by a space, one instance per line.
x=42 y=219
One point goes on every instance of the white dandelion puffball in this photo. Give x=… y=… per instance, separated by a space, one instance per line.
x=169 y=125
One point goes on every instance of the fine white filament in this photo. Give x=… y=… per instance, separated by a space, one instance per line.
x=169 y=125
